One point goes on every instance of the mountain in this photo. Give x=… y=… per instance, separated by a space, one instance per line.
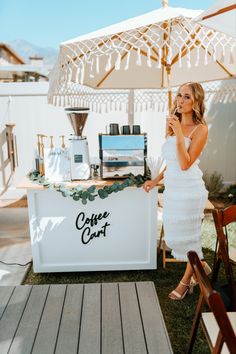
x=26 y=49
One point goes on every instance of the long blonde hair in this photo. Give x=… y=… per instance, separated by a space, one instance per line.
x=198 y=97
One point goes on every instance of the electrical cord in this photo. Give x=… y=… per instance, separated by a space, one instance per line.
x=19 y=264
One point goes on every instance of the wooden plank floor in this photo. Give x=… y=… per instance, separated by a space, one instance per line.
x=108 y=318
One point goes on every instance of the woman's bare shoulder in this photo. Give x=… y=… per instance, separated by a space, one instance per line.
x=201 y=133
x=201 y=129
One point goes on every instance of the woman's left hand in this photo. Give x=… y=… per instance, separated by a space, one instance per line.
x=174 y=124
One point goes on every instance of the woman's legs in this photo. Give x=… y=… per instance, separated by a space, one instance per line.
x=184 y=284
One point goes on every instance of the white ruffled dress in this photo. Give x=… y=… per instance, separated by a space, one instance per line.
x=185 y=198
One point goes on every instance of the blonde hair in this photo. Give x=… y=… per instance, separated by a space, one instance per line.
x=198 y=97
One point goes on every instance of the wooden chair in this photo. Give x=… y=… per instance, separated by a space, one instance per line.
x=223 y=253
x=162 y=244
x=218 y=325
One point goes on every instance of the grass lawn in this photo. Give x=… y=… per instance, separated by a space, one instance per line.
x=178 y=314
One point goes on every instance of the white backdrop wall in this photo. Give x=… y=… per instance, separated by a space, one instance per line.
x=25 y=104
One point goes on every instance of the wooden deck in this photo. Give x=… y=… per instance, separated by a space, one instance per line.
x=108 y=318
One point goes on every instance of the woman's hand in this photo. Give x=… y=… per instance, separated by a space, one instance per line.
x=174 y=123
x=148 y=185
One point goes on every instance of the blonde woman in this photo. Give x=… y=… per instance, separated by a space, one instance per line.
x=185 y=194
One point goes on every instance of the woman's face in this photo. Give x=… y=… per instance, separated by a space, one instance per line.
x=184 y=100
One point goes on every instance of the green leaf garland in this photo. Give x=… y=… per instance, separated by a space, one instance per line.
x=91 y=193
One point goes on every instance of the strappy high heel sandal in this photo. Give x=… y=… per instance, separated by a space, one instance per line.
x=178 y=296
x=207 y=270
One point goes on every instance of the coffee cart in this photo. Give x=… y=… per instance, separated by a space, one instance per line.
x=115 y=233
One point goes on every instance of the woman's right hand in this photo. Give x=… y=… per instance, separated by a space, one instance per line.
x=148 y=185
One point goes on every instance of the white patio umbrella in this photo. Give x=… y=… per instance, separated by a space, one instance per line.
x=162 y=48
x=221 y=17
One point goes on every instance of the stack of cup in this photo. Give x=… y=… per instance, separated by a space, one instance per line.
x=136 y=129
x=114 y=129
x=125 y=129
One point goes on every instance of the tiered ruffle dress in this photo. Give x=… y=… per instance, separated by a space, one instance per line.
x=185 y=197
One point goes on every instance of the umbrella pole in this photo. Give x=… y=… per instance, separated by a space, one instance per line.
x=131 y=107
x=168 y=72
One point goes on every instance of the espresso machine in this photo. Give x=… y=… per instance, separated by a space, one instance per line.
x=122 y=154
x=79 y=151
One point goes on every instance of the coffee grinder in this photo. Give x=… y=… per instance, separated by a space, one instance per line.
x=80 y=163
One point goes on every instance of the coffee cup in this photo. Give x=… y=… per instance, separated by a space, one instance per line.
x=136 y=129
x=114 y=129
x=125 y=129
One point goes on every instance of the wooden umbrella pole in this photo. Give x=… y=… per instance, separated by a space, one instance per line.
x=165 y=65
x=168 y=72
x=131 y=107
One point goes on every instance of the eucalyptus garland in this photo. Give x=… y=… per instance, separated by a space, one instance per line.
x=91 y=193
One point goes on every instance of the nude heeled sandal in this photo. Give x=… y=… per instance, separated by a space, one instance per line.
x=177 y=295
x=207 y=270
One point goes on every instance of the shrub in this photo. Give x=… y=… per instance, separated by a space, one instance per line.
x=214 y=184
x=231 y=194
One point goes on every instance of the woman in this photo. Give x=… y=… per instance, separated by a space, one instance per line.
x=185 y=194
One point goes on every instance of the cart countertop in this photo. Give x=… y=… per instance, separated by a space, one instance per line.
x=99 y=183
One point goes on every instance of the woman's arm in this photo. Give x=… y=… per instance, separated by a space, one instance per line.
x=159 y=177
x=148 y=185
x=187 y=158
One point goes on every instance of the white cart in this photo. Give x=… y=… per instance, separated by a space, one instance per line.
x=115 y=233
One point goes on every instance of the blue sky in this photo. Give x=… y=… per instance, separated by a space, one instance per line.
x=46 y=23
